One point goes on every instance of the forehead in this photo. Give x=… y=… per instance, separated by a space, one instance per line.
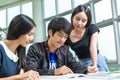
x=81 y=14
x=62 y=32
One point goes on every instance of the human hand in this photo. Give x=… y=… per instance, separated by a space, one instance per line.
x=92 y=69
x=29 y=75
x=62 y=70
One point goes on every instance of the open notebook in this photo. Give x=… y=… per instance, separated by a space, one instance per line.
x=89 y=76
x=63 y=77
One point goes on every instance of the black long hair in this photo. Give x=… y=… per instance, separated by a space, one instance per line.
x=20 y=25
x=82 y=8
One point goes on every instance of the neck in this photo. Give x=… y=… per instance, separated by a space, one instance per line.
x=79 y=31
x=12 y=45
x=51 y=47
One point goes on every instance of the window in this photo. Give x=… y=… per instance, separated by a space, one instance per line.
x=103 y=16
x=119 y=28
x=46 y=28
x=3 y=19
x=107 y=43
x=78 y=2
x=49 y=7
x=62 y=5
x=12 y=12
x=27 y=9
x=2 y=24
x=68 y=17
x=9 y=13
x=103 y=10
x=118 y=6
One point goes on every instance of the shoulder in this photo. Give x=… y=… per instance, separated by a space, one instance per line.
x=93 y=28
x=1 y=46
x=2 y=50
x=64 y=49
x=37 y=45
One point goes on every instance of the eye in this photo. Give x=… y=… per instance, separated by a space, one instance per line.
x=66 y=36
x=84 y=20
x=30 y=34
x=60 y=34
x=78 y=19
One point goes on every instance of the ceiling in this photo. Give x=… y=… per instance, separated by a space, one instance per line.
x=7 y=2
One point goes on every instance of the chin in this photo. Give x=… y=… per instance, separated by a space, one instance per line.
x=59 y=46
x=24 y=45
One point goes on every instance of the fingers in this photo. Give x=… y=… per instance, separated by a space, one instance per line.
x=95 y=68
x=33 y=75
x=30 y=75
x=92 y=69
x=63 y=70
x=67 y=70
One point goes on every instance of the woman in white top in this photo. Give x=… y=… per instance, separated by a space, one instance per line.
x=12 y=50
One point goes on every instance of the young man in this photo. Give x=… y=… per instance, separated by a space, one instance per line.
x=52 y=57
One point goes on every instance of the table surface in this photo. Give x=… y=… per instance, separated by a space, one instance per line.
x=89 y=76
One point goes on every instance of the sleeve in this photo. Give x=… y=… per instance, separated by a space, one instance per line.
x=74 y=65
x=68 y=42
x=93 y=28
x=35 y=61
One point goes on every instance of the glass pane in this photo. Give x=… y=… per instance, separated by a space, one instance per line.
x=49 y=7
x=2 y=35
x=119 y=27
x=68 y=17
x=106 y=43
x=118 y=6
x=27 y=9
x=62 y=5
x=3 y=19
x=46 y=30
x=103 y=10
x=12 y=12
x=78 y=2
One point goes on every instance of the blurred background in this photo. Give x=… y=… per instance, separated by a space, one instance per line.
x=105 y=14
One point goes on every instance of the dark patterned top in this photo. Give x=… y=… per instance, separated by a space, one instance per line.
x=38 y=59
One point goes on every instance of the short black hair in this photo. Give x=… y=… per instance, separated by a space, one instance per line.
x=59 y=23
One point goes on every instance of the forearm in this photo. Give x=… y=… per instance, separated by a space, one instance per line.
x=93 y=48
x=93 y=54
x=16 y=77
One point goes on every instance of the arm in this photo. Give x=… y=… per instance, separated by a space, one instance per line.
x=74 y=65
x=93 y=48
x=37 y=60
x=31 y=75
x=11 y=78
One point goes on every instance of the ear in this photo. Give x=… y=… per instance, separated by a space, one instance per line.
x=50 y=32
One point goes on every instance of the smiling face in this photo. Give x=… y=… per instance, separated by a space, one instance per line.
x=58 y=39
x=80 y=20
x=26 y=38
